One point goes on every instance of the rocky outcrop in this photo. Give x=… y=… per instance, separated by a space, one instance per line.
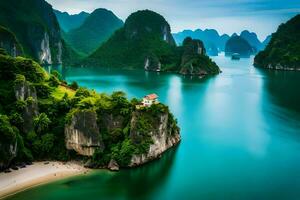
x=45 y=53
x=194 y=60
x=152 y=63
x=113 y=165
x=82 y=133
x=167 y=36
x=26 y=92
x=163 y=137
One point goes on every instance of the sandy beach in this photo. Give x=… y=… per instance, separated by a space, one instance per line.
x=37 y=174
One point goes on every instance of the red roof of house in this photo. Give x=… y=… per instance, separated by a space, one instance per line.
x=151 y=96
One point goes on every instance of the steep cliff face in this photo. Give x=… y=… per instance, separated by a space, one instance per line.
x=152 y=63
x=9 y=42
x=26 y=92
x=114 y=140
x=162 y=133
x=36 y=28
x=82 y=134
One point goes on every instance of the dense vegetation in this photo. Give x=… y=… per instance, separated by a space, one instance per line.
x=237 y=44
x=96 y=29
x=283 y=51
x=37 y=121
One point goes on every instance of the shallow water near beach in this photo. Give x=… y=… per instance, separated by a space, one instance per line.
x=240 y=137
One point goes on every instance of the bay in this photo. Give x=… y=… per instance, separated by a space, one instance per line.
x=240 y=137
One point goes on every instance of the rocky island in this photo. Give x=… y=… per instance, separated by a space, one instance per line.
x=44 y=118
x=238 y=45
x=283 y=50
x=145 y=42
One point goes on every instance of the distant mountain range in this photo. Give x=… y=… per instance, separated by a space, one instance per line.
x=214 y=42
x=68 y=22
x=33 y=29
x=88 y=31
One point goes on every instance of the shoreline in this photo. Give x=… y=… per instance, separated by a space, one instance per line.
x=37 y=174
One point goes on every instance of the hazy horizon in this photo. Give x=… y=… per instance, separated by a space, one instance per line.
x=259 y=16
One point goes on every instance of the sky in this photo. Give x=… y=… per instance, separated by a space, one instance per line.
x=226 y=16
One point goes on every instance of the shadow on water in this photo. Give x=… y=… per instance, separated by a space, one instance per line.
x=128 y=184
x=144 y=181
x=282 y=90
x=283 y=87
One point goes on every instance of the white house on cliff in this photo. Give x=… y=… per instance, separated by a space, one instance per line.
x=150 y=99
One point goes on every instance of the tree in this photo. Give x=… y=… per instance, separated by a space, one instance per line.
x=82 y=92
x=41 y=122
x=56 y=74
x=47 y=142
x=7 y=132
x=74 y=85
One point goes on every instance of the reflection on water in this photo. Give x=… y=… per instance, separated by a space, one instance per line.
x=240 y=137
x=283 y=88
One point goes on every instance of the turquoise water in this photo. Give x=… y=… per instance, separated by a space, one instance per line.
x=240 y=137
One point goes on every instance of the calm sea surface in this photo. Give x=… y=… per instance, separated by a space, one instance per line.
x=240 y=137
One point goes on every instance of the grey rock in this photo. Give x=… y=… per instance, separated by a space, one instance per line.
x=82 y=134
x=113 y=165
x=10 y=151
x=23 y=91
x=162 y=138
